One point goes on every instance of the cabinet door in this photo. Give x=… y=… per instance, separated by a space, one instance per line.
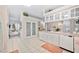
x=66 y=42
x=43 y=36
x=54 y=39
x=66 y=27
x=51 y=38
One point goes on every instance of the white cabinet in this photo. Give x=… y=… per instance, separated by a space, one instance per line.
x=49 y=37
x=54 y=39
x=43 y=36
x=67 y=42
x=77 y=11
x=57 y=17
x=72 y=11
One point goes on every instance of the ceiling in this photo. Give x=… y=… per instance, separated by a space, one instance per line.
x=34 y=10
x=37 y=10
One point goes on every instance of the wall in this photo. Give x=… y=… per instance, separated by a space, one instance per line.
x=4 y=18
x=25 y=19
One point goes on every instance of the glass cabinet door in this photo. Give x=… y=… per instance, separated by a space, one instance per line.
x=67 y=27
x=71 y=26
x=72 y=13
x=65 y=15
x=77 y=11
x=77 y=25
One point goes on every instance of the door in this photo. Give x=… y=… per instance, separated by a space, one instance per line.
x=31 y=29
x=28 y=29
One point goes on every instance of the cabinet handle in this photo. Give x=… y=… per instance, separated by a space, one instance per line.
x=69 y=36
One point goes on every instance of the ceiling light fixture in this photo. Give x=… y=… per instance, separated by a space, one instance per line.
x=28 y=5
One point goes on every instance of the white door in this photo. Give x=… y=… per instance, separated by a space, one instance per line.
x=31 y=28
x=28 y=29
x=33 y=32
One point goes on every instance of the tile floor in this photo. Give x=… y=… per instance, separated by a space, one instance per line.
x=27 y=45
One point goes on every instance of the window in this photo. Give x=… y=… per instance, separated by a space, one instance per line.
x=33 y=29
x=77 y=11
x=28 y=28
x=72 y=13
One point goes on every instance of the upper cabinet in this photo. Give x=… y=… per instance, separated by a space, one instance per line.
x=46 y=18
x=51 y=17
x=57 y=16
x=77 y=12
x=63 y=14
x=72 y=11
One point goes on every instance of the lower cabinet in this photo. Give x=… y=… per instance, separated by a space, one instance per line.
x=67 y=42
x=54 y=39
x=51 y=38
x=64 y=41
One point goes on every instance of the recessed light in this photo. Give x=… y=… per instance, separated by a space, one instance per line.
x=28 y=5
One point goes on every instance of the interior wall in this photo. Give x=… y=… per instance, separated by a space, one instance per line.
x=4 y=19
x=23 y=30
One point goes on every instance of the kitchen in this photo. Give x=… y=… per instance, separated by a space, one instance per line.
x=62 y=28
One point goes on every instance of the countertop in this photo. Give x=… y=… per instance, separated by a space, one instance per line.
x=62 y=33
